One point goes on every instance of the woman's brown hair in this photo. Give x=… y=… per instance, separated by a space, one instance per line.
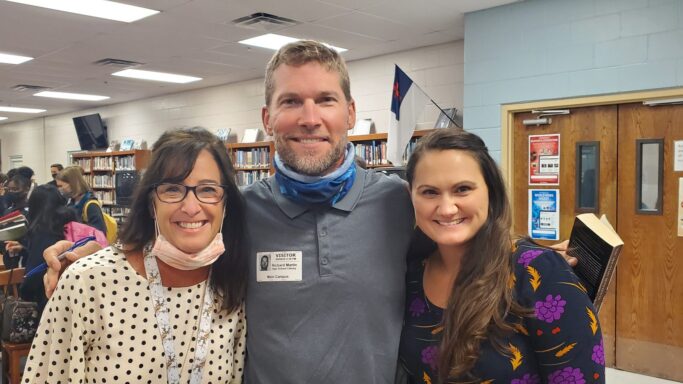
x=173 y=158
x=73 y=175
x=481 y=298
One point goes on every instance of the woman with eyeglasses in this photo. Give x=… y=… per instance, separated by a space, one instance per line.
x=164 y=304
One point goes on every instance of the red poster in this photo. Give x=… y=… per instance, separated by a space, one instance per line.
x=544 y=159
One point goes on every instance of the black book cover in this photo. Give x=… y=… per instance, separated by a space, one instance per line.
x=596 y=246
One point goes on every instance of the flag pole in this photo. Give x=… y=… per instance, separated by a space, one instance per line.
x=445 y=114
x=440 y=109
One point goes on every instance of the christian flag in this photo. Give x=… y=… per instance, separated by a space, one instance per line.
x=408 y=102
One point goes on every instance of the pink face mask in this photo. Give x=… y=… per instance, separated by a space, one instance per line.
x=174 y=257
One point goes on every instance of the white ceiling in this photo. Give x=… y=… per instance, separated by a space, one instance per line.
x=198 y=38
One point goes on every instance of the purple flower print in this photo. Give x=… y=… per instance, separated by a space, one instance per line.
x=527 y=379
x=598 y=355
x=417 y=307
x=551 y=309
x=567 y=375
x=429 y=356
x=527 y=257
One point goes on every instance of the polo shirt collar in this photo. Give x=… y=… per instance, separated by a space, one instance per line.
x=293 y=209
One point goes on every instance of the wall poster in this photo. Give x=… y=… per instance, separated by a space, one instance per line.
x=544 y=214
x=680 y=207
x=544 y=159
x=678 y=155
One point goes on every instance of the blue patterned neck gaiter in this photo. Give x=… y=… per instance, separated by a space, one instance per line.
x=327 y=189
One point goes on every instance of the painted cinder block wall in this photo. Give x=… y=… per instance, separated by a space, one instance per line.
x=42 y=141
x=551 y=49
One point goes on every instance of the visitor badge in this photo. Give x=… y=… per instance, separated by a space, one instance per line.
x=278 y=266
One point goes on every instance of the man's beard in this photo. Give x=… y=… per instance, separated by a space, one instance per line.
x=308 y=164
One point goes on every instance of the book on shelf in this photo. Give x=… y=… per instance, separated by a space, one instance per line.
x=597 y=246
x=127 y=144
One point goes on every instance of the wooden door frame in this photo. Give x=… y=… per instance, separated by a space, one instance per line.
x=508 y=111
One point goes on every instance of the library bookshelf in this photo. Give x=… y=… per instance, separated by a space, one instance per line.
x=373 y=148
x=100 y=170
x=254 y=161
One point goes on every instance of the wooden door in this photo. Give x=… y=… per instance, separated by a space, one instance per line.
x=650 y=273
x=580 y=126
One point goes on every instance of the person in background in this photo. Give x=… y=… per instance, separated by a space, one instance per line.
x=166 y=304
x=54 y=170
x=482 y=307
x=16 y=199
x=28 y=173
x=47 y=216
x=72 y=186
x=3 y=188
x=3 y=181
x=16 y=193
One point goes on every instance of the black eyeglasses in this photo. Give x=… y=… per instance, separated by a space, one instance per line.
x=175 y=193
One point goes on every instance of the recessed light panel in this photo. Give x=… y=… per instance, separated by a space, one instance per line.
x=274 y=41
x=6 y=58
x=104 y=9
x=20 y=110
x=71 y=96
x=156 y=76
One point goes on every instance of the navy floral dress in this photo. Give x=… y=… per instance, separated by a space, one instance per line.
x=560 y=344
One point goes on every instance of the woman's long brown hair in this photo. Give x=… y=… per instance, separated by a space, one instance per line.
x=481 y=298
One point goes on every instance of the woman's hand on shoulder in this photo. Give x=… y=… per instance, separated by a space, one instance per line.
x=55 y=266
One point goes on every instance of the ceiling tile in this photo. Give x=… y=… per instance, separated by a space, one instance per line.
x=196 y=37
x=367 y=25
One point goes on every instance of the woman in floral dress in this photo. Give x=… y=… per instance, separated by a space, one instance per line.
x=483 y=308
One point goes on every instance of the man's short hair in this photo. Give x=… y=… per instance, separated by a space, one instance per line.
x=58 y=166
x=302 y=52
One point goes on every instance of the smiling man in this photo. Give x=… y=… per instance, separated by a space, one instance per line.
x=329 y=307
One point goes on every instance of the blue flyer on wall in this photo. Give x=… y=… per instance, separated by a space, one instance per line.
x=544 y=214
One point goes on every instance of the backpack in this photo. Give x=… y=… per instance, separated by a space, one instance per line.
x=74 y=231
x=109 y=222
x=18 y=318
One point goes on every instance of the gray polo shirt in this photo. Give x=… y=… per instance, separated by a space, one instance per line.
x=340 y=323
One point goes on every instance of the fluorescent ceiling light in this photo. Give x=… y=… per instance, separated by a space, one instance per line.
x=97 y=8
x=156 y=76
x=3 y=118
x=20 y=110
x=269 y=41
x=6 y=58
x=274 y=42
x=71 y=96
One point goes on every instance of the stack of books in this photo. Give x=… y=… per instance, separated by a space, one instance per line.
x=13 y=226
